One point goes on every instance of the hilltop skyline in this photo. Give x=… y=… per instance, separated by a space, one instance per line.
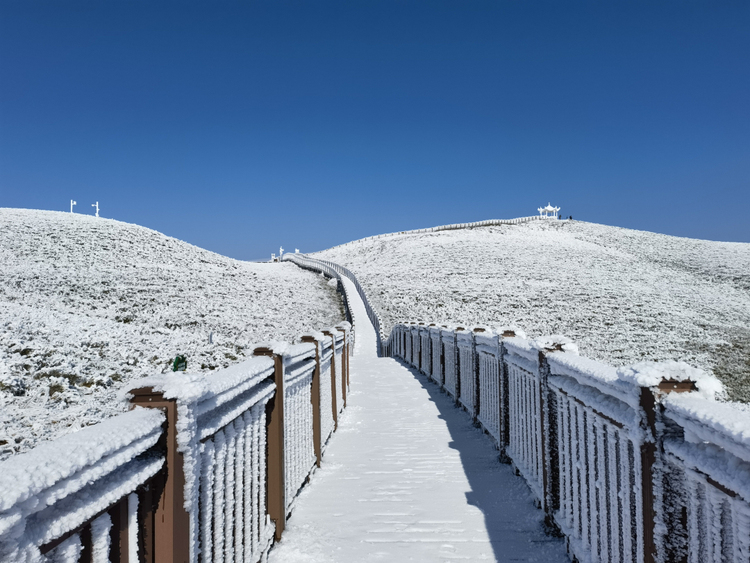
x=240 y=128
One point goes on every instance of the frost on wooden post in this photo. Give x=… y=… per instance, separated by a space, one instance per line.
x=488 y=366
x=211 y=425
x=100 y=539
x=133 y=527
x=67 y=552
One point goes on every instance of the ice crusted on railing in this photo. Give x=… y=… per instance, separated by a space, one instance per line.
x=591 y=373
x=651 y=374
x=525 y=353
x=556 y=342
x=299 y=452
x=208 y=406
x=725 y=424
x=713 y=457
x=60 y=485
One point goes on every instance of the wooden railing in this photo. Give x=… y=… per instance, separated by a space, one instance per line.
x=80 y=496
x=204 y=468
x=634 y=464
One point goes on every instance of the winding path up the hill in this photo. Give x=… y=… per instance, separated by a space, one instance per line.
x=407 y=477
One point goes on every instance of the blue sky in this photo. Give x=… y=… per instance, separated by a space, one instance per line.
x=242 y=126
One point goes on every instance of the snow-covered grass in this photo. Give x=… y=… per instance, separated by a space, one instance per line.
x=88 y=304
x=622 y=295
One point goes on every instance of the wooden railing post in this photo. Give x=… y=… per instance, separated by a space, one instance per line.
x=475 y=367
x=650 y=448
x=550 y=454
x=344 y=362
x=504 y=397
x=118 y=533
x=170 y=522
x=275 y=480
x=315 y=399
x=334 y=402
x=648 y=459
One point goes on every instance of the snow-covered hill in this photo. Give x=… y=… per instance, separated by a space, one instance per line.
x=622 y=295
x=88 y=304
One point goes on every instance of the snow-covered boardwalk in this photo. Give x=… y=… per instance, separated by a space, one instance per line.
x=408 y=478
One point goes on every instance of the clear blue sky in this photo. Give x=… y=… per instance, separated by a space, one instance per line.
x=242 y=126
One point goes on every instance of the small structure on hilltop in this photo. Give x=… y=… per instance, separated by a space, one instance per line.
x=97 y=207
x=549 y=212
x=72 y=203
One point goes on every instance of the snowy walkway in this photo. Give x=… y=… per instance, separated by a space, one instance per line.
x=407 y=477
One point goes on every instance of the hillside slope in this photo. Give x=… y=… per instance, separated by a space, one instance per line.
x=88 y=304
x=622 y=295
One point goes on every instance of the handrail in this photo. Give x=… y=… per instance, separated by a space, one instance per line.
x=60 y=487
x=198 y=454
x=453 y=227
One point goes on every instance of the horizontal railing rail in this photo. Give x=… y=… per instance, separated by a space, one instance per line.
x=82 y=493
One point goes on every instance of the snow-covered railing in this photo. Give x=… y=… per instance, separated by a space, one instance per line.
x=425 y=350
x=247 y=440
x=416 y=347
x=708 y=463
x=634 y=464
x=450 y=361
x=323 y=390
x=84 y=495
x=467 y=372
x=525 y=431
x=453 y=227
x=299 y=449
x=436 y=371
x=204 y=468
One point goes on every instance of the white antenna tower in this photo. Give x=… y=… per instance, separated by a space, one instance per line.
x=281 y=252
x=72 y=203
x=97 y=207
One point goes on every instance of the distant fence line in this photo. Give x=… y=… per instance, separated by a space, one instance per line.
x=335 y=271
x=204 y=468
x=455 y=226
x=631 y=464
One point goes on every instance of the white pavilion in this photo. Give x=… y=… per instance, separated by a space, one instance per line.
x=549 y=212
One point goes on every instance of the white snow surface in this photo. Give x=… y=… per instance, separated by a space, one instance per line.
x=88 y=304
x=622 y=296
x=407 y=477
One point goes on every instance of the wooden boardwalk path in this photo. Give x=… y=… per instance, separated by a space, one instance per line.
x=407 y=477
